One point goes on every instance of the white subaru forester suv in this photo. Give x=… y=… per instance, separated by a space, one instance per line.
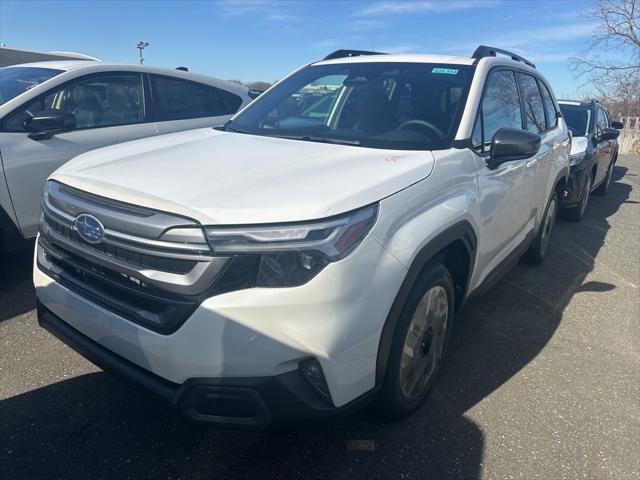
x=311 y=255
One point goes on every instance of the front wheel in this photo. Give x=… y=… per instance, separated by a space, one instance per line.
x=538 y=249
x=419 y=343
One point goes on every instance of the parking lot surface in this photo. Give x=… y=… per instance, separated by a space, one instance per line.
x=542 y=381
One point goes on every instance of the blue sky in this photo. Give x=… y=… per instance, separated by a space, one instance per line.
x=264 y=40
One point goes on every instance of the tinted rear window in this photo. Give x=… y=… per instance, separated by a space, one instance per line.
x=178 y=99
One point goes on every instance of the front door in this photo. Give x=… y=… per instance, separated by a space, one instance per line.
x=505 y=205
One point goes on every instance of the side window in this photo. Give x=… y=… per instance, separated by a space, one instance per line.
x=533 y=106
x=231 y=101
x=603 y=121
x=103 y=100
x=500 y=108
x=550 y=107
x=179 y=99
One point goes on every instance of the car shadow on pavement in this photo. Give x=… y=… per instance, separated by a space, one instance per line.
x=92 y=426
x=17 y=294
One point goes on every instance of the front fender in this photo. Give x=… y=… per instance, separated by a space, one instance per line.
x=416 y=224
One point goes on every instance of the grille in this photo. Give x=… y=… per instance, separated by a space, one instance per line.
x=137 y=259
x=135 y=271
x=153 y=308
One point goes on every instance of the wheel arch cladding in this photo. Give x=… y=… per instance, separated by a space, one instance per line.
x=456 y=249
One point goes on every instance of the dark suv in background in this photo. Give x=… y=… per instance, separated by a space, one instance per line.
x=594 y=151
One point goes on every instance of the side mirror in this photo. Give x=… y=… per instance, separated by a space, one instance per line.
x=47 y=123
x=609 y=134
x=617 y=125
x=512 y=144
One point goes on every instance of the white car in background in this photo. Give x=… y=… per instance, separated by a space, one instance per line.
x=51 y=112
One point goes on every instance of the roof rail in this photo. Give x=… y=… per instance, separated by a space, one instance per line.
x=350 y=53
x=485 y=51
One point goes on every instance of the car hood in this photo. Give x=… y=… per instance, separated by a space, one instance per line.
x=578 y=145
x=218 y=177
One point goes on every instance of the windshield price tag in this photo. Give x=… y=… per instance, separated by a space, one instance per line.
x=446 y=71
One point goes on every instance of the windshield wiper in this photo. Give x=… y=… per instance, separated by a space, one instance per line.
x=313 y=138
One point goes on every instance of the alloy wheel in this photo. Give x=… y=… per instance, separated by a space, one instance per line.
x=424 y=342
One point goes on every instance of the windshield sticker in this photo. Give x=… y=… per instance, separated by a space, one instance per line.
x=446 y=71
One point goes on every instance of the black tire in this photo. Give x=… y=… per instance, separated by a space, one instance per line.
x=393 y=401
x=538 y=249
x=576 y=214
x=603 y=188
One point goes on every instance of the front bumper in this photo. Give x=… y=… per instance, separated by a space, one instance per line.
x=256 y=403
x=258 y=332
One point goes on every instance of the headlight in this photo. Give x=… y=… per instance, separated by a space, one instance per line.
x=577 y=158
x=288 y=255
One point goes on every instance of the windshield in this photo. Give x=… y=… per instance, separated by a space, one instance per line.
x=409 y=106
x=16 y=80
x=577 y=118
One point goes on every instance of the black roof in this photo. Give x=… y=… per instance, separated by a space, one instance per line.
x=12 y=56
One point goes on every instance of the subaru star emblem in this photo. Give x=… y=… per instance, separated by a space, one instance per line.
x=89 y=228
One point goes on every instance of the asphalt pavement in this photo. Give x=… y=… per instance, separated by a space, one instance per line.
x=542 y=381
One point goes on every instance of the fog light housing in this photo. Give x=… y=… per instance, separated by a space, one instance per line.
x=312 y=371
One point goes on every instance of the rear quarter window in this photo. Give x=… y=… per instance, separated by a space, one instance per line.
x=178 y=99
x=550 y=106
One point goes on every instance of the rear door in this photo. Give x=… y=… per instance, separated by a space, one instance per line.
x=541 y=166
x=505 y=191
x=108 y=107
x=184 y=105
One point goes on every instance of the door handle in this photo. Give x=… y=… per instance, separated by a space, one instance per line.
x=532 y=162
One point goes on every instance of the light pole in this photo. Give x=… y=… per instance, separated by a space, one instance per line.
x=141 y=46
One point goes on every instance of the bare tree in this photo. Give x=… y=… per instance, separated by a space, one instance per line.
x=611 y=66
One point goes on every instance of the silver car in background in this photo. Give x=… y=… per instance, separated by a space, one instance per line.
x=51 y=112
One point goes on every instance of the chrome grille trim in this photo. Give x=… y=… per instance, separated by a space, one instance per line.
x=202 y=249
x=138 y=245
x=177 y=267
x=114 y=216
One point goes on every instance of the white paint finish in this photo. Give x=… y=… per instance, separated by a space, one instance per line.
x=231 y=178
x=217 y=177
x=5 y=198
x=411 y=218
x=336 y=318
x=27 y=163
